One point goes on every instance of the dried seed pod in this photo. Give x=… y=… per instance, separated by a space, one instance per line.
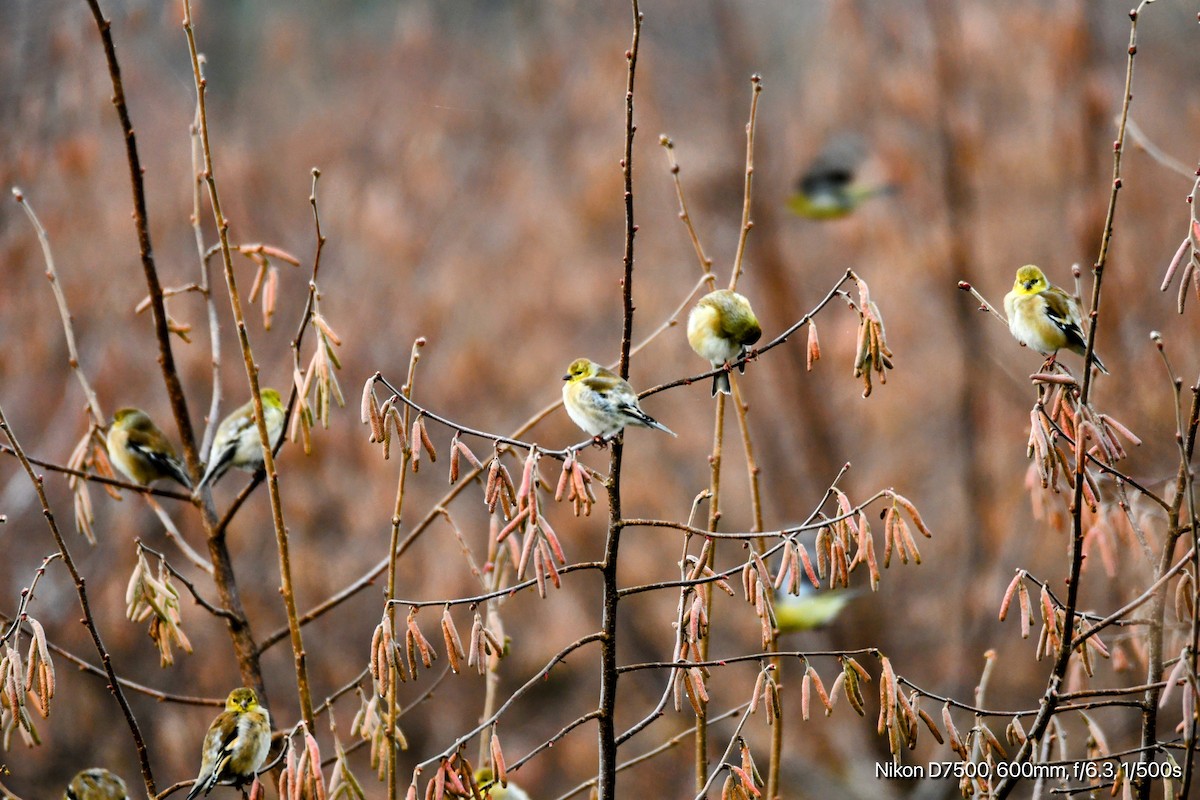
x=814 y=347
x=819 y=686
x=454 y=648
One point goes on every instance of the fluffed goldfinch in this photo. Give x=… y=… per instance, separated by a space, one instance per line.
x=1044 y=317
x=827 y=189
x=493 y=790
x=96 y=784
x=236 y=744
x=720 y=328
x=140 y=450
x=603 y=403
x=237 y=443
x=809 y=609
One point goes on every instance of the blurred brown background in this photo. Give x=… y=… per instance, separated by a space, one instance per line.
x=471 y=194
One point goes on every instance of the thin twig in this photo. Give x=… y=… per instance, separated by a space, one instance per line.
x=81 y=592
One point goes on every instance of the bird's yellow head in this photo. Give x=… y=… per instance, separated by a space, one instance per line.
x=270 y=397
x=241 y=700
x=1030 y=280
x=130 y=417
x=580 y=369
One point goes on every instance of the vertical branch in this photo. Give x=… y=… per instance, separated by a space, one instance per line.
x=166 y=359
x=607 y=733
x=700 y=744
x=747 y=224
x=1049 y=704
x=281 y=534
x=1184 y=493
x=393 y=711
x=88 y=620
x=210 y=302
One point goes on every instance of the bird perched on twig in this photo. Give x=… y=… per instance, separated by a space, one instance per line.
x=720 y=328
x=96 y=784
x=141 y=451
x=237 y=443
x=603 y=403
x=236 y=744
x=494 y=790
x=827 y=189
x=1044 y=317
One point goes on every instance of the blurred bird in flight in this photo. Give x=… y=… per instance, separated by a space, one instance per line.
x=827 y=189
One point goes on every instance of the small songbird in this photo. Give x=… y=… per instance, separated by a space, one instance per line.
x=236 y=744
x=494 y=790
x=720 y=328
x=237 y=443
x=603 y=403
x=96 y=784
x=809 y=609
x=141 y=451
x=827 y=189
x=1044 y=317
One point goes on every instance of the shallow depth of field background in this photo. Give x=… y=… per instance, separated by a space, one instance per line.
x=471 y=194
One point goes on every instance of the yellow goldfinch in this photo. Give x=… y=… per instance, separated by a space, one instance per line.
x=96 y=784
x=140 y=450
x=720 y=328
x=494 y=790
x=237 y=443
x=603 y=403
x=810 y=609
x=827 y=189
x=236 y=744
x=1044 y=317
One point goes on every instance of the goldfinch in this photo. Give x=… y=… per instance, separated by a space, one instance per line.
x=827 y=189
x=236 y=744
x=809 y=609
x=237 y=443
x=140 y=450
x=720 y=328
x=603 y=403
x=96 y=784
x=494 y=790
x=1044 y=317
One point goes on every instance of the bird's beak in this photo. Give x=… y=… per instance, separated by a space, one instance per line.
x=1028 y=285
x=567 y=377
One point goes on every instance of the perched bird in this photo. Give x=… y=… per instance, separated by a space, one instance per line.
x=140 y=450
x=827 y=189
x=236 y=744
x=494 y=790
x=720 y=328
x=237 y=443
x=809 y=609
x=603 y=403
x=1044 y=317
x=96 y=784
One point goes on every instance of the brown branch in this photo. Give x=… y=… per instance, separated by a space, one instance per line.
x=63 y=312
x=94 y=478
x=162 y=334
x=81 y=592
x=1050 y=699
x=281 y=536
x=747 y=224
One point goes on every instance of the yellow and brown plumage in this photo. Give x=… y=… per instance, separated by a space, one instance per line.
x=237 y=443
x=236 y=744
x=1044 y=317
x=141 y=451
x=720 y=329
x=96 y=784
x=603 y=403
